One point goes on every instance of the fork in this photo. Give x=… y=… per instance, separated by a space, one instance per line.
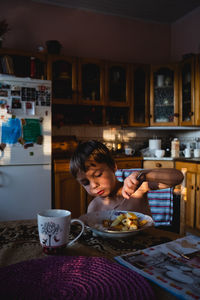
x=178 y=252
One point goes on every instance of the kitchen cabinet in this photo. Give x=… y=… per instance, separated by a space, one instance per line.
x=91 y=81
x=23 y=63
x=129 y=162
x=117 y=93
x=192 y=213
x=186 y=91
x=117 y=84
x=62 y=71
x=97 y=92
x=152 y=164
x=77 y=90
x=68 y=193
x=197 y=215
x=164 y=95
x=139 y=106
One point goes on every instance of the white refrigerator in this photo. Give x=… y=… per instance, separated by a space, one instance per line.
x=25 y=147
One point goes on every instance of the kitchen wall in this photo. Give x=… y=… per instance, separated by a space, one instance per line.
x=84 y=33
x=88 y=34
x=185 y=35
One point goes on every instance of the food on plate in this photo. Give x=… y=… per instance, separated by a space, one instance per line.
x=124 y=222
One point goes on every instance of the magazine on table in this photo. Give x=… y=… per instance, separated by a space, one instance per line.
x=175 y=265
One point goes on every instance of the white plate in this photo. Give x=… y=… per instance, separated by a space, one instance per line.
x=94 y=220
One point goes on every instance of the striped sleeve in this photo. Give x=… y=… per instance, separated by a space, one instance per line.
x=160 y=201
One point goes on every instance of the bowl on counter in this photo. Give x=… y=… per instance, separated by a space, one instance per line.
x=159 y=153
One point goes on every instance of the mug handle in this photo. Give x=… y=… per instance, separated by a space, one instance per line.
x=82 y=229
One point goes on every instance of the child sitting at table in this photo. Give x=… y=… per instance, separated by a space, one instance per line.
x=94 y=168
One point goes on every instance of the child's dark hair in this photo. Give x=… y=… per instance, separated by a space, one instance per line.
x=90 y=150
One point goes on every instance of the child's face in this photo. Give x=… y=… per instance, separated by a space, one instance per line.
x=98 y=180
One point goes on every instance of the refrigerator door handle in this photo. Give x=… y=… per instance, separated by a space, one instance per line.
x=4 y=180
x=1 y=179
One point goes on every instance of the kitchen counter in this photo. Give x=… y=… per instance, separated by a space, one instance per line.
x=185 y=159
x=158 y=158
x=192 y=159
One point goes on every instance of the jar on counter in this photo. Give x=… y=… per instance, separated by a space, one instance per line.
x=175 y=148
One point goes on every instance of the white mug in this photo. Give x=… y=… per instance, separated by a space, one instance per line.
x=54 y=228
x=160 y=80
x=159 y=153
x=196 y=152
x=187 y=152
x=129 y=151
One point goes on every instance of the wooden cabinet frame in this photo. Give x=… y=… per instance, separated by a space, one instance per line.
x=181 y=66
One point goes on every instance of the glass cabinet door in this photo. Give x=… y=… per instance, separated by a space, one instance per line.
x=186 y=92
x=164 y=95
x=91 y=82
x=62 y=72
x=139 y=115
x=117 y=84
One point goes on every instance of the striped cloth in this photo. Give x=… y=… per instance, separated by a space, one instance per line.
x=160 y=201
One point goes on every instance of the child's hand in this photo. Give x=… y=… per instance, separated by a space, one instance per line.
x=131 y=184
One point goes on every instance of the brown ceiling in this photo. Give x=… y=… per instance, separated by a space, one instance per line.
x=162 y=11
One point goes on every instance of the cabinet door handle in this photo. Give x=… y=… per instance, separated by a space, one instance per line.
x=197 y=188
x=158 y=165
x=176 y=115
x=192 y=187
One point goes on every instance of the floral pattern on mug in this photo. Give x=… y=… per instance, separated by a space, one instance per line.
x=50 y=229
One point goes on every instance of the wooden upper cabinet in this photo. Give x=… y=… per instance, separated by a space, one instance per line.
x=62 y=71
x=91 y=81
x=23 y=63
x=164 y=95
x=186 y=91
x=197 y=91
x=117 y=84
x=139 y=108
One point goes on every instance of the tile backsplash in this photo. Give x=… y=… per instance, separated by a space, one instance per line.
x=136 y=137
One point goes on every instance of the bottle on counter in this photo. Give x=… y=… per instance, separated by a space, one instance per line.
x=175 y=148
